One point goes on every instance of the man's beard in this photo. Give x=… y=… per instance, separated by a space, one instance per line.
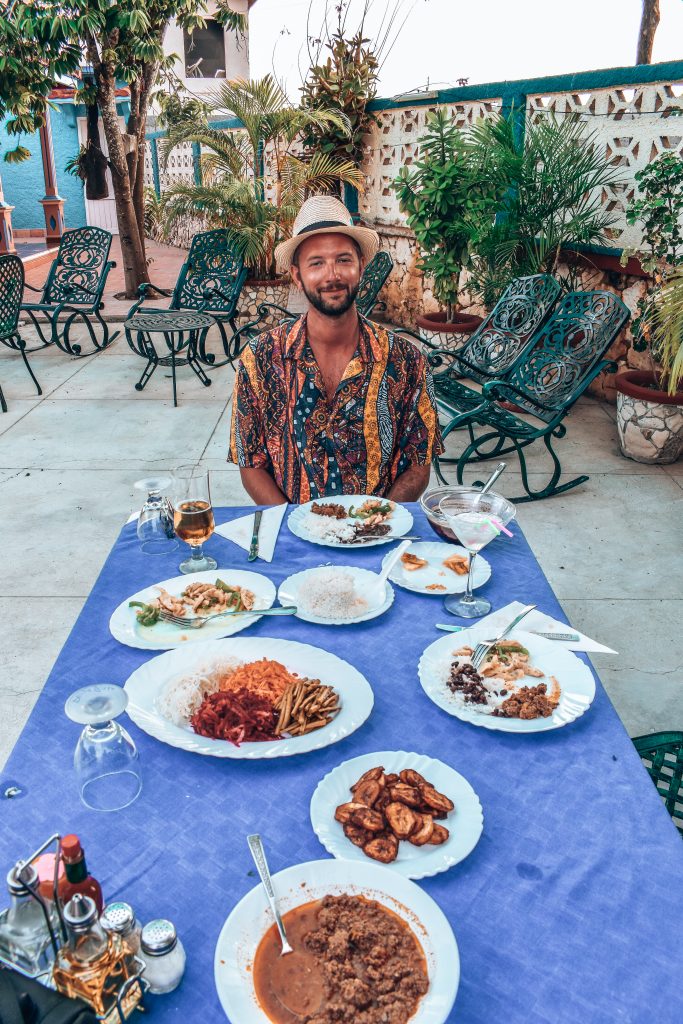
x=327 y=309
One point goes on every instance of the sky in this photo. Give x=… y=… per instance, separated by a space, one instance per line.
x=482 y=40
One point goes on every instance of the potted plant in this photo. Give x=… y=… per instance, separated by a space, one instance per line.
x=445 y=204
x=650 y=401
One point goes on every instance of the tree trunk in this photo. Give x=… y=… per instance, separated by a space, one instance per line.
x=648 y=26
x=130 y=236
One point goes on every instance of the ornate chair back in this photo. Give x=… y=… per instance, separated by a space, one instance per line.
x=77 y=276
x=212 y=276
x=11 y=293
x=374 y=276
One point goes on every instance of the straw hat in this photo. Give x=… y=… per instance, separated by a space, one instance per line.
x=321 y=215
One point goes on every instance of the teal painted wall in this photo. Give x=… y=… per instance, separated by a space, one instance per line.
x=24 y=185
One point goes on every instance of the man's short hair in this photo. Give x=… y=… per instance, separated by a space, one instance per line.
x=354 y=243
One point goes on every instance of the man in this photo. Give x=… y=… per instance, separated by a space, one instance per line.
x=332 y=403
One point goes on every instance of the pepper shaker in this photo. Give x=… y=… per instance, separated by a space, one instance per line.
x=120 y=918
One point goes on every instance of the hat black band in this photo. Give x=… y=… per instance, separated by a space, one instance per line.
x=323 y=224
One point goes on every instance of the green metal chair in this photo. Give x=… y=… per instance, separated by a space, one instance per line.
x=74 y=289
x=210 y=281
x=11 y=294
x=566 y=357
x=662 y=756
x=498 y=344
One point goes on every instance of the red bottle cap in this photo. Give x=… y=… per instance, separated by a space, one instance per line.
x=71 y=847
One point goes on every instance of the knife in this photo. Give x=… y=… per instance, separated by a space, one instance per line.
x=253 y=550
x=570 y=637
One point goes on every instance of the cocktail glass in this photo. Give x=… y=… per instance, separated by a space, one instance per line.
x=475 y=519
x=106 y=758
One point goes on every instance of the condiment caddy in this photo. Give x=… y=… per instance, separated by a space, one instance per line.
x=57 y=931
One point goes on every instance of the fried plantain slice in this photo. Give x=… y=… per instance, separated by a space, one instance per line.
x=405 y=794
x=401 y=820
x=412 y=778
x=358 y=836
x=344 y=811
x=434 y=799
x=371 y=775
x=367 y=792
x=391 y=779
x=438 y=836
x=424 y=832
x=382 y=848
x=365 y=817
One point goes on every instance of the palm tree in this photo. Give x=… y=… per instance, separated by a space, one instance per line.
x=254 y=179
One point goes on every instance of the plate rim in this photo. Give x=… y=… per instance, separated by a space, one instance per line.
x=406 y=895
x=300 y=510
x=395 y=866
x=315 y=620
x=507 y=725
x=142 y=644
x=442 y=593
x=157 y=727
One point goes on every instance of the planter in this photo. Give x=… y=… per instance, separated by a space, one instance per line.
x=650 y=422
x=255 y=292
x=450 y=334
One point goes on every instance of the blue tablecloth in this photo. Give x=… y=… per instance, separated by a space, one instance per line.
x=569 y=909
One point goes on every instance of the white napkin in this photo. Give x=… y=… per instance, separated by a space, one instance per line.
x=240 y=531
x=544 y=623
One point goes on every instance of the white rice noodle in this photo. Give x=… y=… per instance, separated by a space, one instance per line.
x=183 y=695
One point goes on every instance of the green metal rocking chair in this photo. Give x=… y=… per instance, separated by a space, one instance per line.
x=497 y=345
x=210 y=281
x=11 y=294
x=566 y=357
x=74 y=289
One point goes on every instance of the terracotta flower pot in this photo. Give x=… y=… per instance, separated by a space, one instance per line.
x=649 y=421
x=450 y=334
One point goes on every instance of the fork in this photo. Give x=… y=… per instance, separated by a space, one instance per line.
x=483 y=647
x=197 y=621
x=370 y=539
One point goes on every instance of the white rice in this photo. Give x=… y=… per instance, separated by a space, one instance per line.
x=327 y=528
x=331 y=594
x=491 y=684
x=183 y=695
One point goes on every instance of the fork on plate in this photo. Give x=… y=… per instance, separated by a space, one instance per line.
x=483 y=647
x=197 y=621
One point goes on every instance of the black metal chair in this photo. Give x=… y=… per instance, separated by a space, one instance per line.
x=566 y=357
x=74 y=289
x=11 y=294
x=210 y=281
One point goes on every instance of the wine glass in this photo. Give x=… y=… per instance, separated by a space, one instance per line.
x=475 y=519
x=106 y=758
x=193 y=515
x=155 y=522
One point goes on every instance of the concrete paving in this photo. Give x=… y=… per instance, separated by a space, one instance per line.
x=68 y=461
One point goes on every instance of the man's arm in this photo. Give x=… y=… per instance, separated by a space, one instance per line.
x=260 y=486
x=409 y=485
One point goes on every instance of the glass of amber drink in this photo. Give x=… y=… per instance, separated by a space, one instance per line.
x=193 y=515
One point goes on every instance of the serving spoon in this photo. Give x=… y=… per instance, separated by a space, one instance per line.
x=305 y=996
x=377 y=589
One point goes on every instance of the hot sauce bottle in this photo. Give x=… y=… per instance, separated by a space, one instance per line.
x=77 y=878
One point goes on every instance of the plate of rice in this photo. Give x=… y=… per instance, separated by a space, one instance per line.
x=368 y=521
x=225 y=698
x=334 y=595
x=126 y=627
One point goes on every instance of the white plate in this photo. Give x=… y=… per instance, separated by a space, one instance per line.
x=251 y=919
x=164 y=636
x=418 y=580
x=575 y=678
x=149 y=681
x=465 y=822
x=400 y=521
x=289 y=591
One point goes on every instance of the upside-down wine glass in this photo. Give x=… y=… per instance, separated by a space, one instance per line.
x=155 y=522
x=475 y=519
x=193 y=515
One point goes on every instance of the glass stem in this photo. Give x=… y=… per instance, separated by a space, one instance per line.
x=468 y=598
x=197 y=553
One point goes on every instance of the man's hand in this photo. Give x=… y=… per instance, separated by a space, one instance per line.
x=409 y=485
x=261 y=488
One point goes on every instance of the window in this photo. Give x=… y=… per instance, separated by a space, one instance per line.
x=205 y=51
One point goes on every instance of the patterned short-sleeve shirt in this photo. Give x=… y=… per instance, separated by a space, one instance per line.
x=381 y=421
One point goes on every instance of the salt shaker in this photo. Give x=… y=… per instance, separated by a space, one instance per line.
x=120 y=918
x=164 y=956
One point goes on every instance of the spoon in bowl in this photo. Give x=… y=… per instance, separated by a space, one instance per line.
x=377 y=589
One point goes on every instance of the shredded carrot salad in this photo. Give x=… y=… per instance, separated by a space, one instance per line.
x=264 y=678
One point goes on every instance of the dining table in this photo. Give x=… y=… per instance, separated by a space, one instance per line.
x=568 y=910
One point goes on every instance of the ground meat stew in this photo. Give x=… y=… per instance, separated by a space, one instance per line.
x=354 y=961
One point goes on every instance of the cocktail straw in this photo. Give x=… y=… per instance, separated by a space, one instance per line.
x=499 y=526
